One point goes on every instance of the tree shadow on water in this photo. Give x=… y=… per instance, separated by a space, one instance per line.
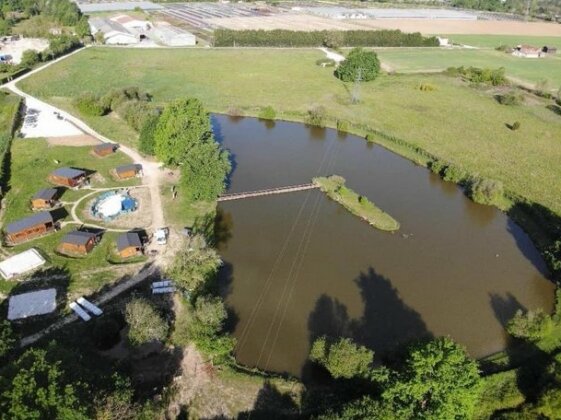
x=386 y=324
x=505 y=307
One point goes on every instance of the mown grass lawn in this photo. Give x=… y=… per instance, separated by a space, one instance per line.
x=530 y=70
x=456 y=122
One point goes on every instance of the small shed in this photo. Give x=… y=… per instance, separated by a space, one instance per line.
x=104 y=149
x=78 y=242
x=39 y=302
x=30 y=227
x=129 y=244
x=46 y=198
x=527 y=51
x=67 y=177
x=129 y=171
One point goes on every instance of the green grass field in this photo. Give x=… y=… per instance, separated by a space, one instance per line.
x=493 y=41
x=31 y=161
x=527 y=70
x=457 y=123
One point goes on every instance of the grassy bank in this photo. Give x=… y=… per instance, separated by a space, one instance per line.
x=334 y=187
x=493 y=41
x=456 y=123
x=9 y=108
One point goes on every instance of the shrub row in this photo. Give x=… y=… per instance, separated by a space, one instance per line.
x=494 y=77
x=332 y=39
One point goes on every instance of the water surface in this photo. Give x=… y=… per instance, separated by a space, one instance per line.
x=298 y=265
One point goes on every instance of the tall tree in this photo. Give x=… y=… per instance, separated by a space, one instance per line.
x=36 y=389
x=359 y=65
x=145 y=324
x=182 y=125
x=438 y=381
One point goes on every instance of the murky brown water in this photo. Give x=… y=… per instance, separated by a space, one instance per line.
x=298 y=265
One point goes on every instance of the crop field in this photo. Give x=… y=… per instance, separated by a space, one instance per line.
x=455 y=122
x=527 y=70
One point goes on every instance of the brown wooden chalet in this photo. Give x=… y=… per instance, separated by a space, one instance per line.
x=129 y=244
x=128 y=171
x=30 y=227
x=105 y=149
x=46 y=198
x=68 y=177
x=78 y=242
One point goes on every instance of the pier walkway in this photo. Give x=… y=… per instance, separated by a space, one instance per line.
x=269 y=191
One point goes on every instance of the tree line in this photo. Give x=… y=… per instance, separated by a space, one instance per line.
x=332 y=39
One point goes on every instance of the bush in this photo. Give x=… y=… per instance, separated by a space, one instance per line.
x=371 y=138
x=510 y=98
x=145 y=324
x=532 y=325
x=343 y=125
x=453 y=173
x=343 y=358
x=146 y=139
x=136 y=113
x=437 y=166
x=29 y=58
x=316 y=116
x=494 y=77
x=89 y=104
x=426 y=87
x=487 y=191
x=359 y=65
x=503 y=48
x=515 y=126
x=267 y=113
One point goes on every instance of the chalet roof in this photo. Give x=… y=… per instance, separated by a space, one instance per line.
x=127 y=240
x=30 y=221
x=46 y=194
x=131 y=167
x=70 y=173
x=78 y=237
x=105 y=146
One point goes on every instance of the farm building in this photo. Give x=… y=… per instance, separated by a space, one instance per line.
x=67 y=177
x=129 y=244
x=132 y=24
x=105 y=149
x=527 y=51
x=46 y=198
x=128 y=171
x=113 y=33
x=78 y=242
x=30 y=227
x=21 y=263
x=172 y=36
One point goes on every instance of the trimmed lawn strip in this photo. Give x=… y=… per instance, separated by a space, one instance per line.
x=493 y=41
x=334 y=187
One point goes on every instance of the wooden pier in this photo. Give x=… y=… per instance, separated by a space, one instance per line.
x=269 y=191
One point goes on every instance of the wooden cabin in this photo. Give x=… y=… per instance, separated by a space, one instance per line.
x=78 y=242
x=67 y=177
x=129 y=245
x=129 y=171
x=46 y=198
x=105 y=149
x=30 y=227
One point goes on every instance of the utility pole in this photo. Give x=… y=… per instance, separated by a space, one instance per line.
x=356 y=88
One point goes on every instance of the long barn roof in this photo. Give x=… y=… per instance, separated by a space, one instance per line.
x=69 y=173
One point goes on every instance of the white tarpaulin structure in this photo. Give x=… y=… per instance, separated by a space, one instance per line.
x=33 y=303
x=111 y=206
x=21 y=263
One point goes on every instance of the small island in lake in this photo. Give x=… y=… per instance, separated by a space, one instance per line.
x=334 y=187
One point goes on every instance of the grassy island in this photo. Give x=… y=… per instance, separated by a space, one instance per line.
x=334 y=187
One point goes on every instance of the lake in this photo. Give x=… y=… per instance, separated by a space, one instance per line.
x=298 y=265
